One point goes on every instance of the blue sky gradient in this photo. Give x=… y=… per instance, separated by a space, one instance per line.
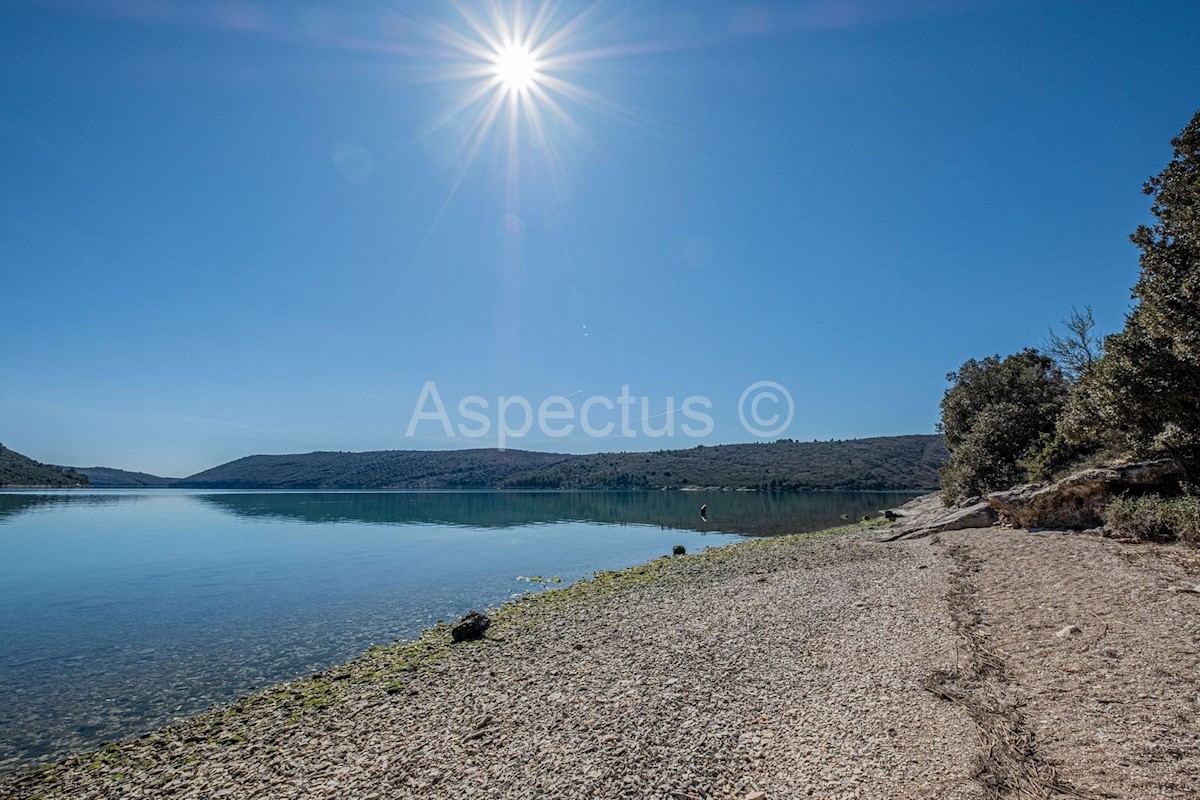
x=236 y=227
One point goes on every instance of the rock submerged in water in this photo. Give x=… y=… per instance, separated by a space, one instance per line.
x=470 y=627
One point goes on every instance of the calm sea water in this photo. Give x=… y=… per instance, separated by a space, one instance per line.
x=123 y=610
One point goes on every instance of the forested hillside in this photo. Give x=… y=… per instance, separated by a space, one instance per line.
x=381 y=469
x=19 y=470
x=895 y=462
x=109 y=477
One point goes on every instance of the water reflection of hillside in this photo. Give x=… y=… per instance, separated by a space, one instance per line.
x=16 y=503
x=751 y=513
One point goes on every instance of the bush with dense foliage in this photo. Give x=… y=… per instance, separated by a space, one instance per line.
x=994 y=415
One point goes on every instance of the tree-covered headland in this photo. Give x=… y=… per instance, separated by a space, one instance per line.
x=1085 y=400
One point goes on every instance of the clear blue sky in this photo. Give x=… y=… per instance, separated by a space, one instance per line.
x=245 y=227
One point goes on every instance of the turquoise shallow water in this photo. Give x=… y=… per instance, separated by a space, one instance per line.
x=123 y=610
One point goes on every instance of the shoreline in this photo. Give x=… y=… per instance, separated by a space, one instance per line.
x=408 y=659
x=42 y=487
x=778 y=643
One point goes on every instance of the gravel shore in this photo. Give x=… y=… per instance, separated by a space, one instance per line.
x=970 y=664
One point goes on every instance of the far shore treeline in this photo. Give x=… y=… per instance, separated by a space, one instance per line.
x=884 y=463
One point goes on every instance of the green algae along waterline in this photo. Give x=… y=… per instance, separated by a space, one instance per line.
x=121 y=611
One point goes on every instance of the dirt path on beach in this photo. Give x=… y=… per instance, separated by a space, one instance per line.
x=1098 y=651
x=972 y=664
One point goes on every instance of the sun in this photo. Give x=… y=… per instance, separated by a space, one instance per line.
x=519 y=72
x=516 y=66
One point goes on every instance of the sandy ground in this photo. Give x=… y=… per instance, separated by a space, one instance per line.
x=970 y=664
x=1100 y=649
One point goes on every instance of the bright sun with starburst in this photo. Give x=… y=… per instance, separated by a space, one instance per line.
x=516 y=67
x=507 y=63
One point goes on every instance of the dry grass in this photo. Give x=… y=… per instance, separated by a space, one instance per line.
x=1155 y=518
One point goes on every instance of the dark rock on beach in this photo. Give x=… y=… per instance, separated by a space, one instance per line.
x=470 y=627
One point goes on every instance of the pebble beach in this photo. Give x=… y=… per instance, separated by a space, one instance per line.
x=968 y=664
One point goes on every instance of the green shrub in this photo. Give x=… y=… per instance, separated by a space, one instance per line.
x=1154 y=518
x=1048 y=456
x=995 y=412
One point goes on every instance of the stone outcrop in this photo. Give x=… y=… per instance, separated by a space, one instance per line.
x=928 y=515
x=1078 y=501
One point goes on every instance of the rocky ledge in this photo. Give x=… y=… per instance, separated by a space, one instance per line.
x=1078 y=501
x=928 y=515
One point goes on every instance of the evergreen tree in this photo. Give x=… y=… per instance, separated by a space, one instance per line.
x=1169 y=285
x=1143 y=396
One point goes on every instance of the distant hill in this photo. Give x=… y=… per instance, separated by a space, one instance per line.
x=18 y=470
x=894 y=462
x=381 y=469
x=111 y=478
